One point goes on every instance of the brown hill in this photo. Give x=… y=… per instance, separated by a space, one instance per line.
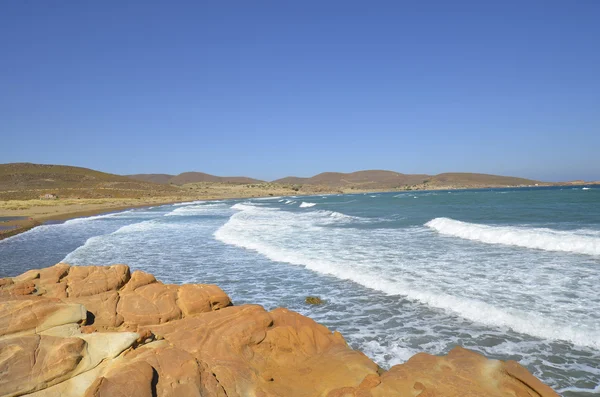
x=154 y=178
x=26 y=181
x=192 y=177
x=292 y=180
x=369 y=179
x=466 y=179
x=380 y=179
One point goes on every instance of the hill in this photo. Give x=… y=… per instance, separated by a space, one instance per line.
x=292 y=180
x=381 y=179
x=191 y=177
x=153 y=178
x=463 y=178
x=27 y=181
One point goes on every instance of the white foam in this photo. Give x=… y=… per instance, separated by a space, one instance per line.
x=268 y=198
x=245 y=207
x=199 y=209
x=305 y=204
x=575 y=241
x=287 y=237
x=378 y=352
x=339 y=215
x=585 y=188
x=95 y=217
x=594 y=392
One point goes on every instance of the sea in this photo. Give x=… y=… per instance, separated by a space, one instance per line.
x=511 y=273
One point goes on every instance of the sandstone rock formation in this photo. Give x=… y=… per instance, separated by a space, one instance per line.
x=101 y=331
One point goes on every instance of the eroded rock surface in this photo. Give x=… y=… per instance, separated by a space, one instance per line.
x=103 y=331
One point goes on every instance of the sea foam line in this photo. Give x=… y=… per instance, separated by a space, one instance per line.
x=536 y=238
x=239 y=231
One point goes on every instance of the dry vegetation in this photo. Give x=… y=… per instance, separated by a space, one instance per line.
x=25 y=181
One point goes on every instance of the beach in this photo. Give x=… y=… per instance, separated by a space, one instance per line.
x=17 y=216
x=34 y=212
x=385 y=264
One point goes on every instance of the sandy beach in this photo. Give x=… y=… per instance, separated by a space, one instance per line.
x=35 y=212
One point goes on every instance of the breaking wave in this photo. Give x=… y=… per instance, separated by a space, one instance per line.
x=576 y=241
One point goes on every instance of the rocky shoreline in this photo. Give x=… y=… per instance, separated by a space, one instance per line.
x=105 y=331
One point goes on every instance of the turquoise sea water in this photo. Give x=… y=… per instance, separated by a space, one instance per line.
x=511 y=273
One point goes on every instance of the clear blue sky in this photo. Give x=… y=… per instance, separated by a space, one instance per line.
x=278 y=88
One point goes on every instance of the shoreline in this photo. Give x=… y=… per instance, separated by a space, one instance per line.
x=31 y=220
x=194 y=331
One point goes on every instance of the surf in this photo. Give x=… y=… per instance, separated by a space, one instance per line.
x=282 y=236
x=577 y=241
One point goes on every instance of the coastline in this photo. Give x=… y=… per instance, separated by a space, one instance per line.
x=30 y=222
x=58 y=210
x=196 y=227
x=111 y=331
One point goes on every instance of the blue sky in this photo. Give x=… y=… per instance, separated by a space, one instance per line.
x=276 y=88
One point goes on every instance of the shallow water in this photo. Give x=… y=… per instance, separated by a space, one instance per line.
x=11 y=218
x=510 y=273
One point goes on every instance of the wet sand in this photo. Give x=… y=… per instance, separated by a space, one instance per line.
x=37 y=215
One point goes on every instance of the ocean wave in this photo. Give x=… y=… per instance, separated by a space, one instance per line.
x=305 y=204
x=267 y=198
x=186 y=203
x=138 y=227
x=127 y=240
x=95 y=217
x=340 y=216
x=282 y=236
x=250 y=207
x=198 y=209
x=577 y=241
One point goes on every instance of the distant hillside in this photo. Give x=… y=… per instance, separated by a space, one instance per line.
x=26 y=181
x=375 y=179
x=380 y=179
x=154 y=178
x=292 y=180
x=369 y=179
x=463 y=178
x=191 y=177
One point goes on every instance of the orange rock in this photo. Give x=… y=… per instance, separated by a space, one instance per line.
x=35 y=314
x=201 y=298
x=135 y=379
x=138 y=279
x=460 y=373
x=189 y=341
x=4 y=282
x=18 y=288
x=34 y=362
x=53 y=274
x=92 y=280
x=102 y=308
x=149 y=304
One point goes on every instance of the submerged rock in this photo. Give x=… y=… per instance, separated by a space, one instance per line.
x=101 y=331
x=314 y=300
